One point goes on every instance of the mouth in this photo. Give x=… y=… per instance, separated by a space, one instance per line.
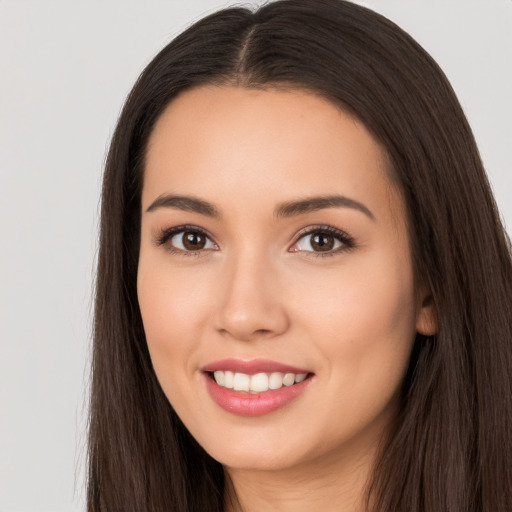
x=254 y=388
x=258 y=382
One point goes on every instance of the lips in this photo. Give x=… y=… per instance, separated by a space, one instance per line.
x=253 y=366
x=253 y=388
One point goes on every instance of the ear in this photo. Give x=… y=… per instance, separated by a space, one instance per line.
x=426 y=318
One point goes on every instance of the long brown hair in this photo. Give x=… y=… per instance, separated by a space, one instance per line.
x=451 y=449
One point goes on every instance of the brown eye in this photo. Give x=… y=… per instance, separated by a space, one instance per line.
x=193 y=241
x=322 y=242
x=188 y=241
x=325 y=240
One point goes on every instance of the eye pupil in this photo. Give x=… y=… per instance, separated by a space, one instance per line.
x=322 y=242
x=193 y=241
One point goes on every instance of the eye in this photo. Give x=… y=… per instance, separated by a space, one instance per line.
x=327 y=240
x=186 y=239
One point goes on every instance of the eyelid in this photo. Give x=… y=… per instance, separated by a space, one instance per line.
x=346 y=240
x=166 y=234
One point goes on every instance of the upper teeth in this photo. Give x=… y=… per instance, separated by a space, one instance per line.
x=258 y=382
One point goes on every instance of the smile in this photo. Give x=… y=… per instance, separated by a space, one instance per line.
x=254 y=388
x=257 y=383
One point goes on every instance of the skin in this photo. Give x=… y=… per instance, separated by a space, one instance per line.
x=258 y=290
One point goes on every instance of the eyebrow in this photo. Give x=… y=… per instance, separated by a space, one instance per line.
x=185 y=203
x=284 y=210
x=313 y=204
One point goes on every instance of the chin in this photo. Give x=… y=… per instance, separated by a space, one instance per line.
x=255 y=460
x=271 y=449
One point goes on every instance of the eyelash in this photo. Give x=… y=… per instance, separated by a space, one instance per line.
x=167 y=234
x=347 y=242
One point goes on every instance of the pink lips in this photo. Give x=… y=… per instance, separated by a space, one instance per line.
x=252 y=367
x=253 y=404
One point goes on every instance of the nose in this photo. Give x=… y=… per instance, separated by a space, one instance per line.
x=250 y=302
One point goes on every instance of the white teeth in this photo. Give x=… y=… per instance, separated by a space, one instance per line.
x=289 y=379
x=275 y=381
x=228 y=380
x=241 y=382
x=257 y=383
x=219 y=377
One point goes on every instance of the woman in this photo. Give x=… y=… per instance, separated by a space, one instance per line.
x=304 y=291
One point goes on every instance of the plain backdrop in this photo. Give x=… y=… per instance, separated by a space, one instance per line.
x=65 y=69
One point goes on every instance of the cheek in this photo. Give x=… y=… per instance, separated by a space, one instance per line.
x=363 y=335
x=170 y=303
x=367 y=327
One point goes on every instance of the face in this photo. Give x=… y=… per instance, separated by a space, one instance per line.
x=275 y=279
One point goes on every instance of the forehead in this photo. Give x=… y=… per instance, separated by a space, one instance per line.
x=233 y=142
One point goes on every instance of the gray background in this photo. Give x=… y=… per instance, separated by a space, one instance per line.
x=65 y=69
